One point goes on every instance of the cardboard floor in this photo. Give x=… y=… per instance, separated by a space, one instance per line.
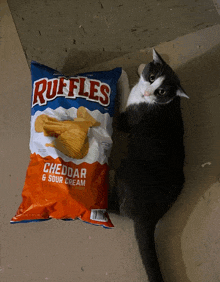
x=188 y=237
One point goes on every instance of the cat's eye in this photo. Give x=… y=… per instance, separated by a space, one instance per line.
x=152 y=78
x=161 y=91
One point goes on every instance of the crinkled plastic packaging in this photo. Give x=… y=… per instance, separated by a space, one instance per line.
x=71 y=128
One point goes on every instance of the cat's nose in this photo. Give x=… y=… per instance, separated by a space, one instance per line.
x=146 y=93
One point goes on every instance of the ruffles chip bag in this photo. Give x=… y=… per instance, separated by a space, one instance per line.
x=70 y=142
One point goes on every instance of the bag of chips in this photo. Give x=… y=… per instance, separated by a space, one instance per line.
x=71 y=128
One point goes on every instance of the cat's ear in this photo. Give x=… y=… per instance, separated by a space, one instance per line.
x=157 y=58
x=180 y=92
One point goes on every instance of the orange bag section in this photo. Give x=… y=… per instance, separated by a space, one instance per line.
x=63 y=190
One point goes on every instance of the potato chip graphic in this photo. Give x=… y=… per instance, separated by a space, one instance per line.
x=41 y=121
x=55 y=128
x=73 y=143
x=71 y=135
x=82 y=113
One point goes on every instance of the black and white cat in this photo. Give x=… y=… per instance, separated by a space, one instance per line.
x=151 y=177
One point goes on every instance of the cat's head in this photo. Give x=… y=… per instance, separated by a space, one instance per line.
x=158 y=82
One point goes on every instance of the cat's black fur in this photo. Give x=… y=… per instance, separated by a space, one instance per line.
x=151 y=177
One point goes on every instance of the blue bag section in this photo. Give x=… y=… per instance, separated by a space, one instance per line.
x=39 y=71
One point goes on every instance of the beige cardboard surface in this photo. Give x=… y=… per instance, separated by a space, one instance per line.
x=68 y=35
x=187 y=237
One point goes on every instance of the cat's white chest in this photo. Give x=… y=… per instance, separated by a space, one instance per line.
x=134 y=98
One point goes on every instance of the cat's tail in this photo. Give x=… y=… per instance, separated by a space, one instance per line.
x=144 y=227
